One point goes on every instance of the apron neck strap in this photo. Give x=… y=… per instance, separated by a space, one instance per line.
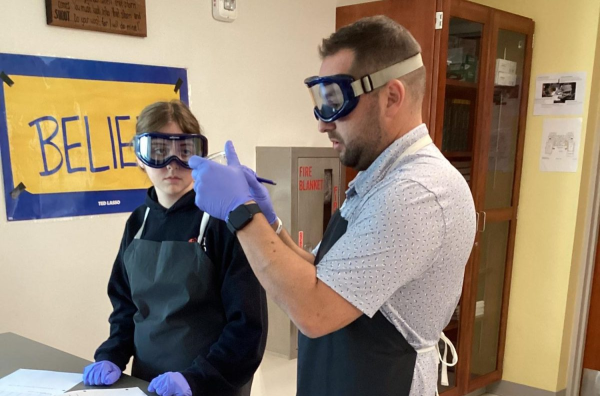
x=203 y=224
x=139 y=233
x=413 y=148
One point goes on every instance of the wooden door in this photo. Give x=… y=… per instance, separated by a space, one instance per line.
x=418 y=16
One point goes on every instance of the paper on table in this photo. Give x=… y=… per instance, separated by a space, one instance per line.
x=107 y=392
x=37 y=383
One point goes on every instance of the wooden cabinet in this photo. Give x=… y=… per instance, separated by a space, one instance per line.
x=478 y=66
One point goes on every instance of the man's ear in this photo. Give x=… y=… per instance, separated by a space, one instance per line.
x=395 y=92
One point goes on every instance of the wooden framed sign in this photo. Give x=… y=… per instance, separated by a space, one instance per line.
x=111 y=16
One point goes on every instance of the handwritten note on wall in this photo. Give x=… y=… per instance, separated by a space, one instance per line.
x=111 y=16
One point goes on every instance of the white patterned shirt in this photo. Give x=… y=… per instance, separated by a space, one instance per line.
x=411 y=227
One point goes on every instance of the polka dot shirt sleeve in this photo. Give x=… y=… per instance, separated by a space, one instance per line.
x=394 y=237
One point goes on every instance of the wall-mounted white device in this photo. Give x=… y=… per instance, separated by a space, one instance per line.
x=225 y=10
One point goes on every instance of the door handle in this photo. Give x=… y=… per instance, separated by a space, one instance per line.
x=484 y=222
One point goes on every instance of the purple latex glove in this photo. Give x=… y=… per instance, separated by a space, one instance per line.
x=259 y=193
x=219 y=188
x=170 y=384
x=101 y=373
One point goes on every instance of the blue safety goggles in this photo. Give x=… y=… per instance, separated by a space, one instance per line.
x=336 y=96
x=157 y=150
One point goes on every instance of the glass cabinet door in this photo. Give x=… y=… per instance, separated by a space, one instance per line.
x=482 y=108
x=460 y=114
x=463 y=94
x=505 y=117
x=498 y=189
x=488 y=298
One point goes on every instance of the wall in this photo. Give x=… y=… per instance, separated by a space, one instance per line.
x=246 y=84
x=540 y=313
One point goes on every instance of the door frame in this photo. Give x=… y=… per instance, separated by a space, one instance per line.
x=587 y=263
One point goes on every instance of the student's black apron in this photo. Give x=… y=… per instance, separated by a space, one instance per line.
x=175 y=287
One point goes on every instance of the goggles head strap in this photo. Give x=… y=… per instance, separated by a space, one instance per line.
x=378 y=79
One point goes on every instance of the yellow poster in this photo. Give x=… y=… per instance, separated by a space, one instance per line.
x=67 y=133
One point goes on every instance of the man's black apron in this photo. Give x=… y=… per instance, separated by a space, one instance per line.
x=175 y=288
x=369 y=357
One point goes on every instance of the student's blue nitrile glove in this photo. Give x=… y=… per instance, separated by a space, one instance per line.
x=259 y=193
x=101 y=373
x=170 y=384
x=219 y=188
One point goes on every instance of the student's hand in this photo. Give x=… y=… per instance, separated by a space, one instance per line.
x=219 y=188
x=259 y=193
x=101 y=373
x=170 y=384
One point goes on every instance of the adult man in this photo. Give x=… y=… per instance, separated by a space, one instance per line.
x=388 y=273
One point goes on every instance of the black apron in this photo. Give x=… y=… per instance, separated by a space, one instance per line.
x=174 y=286
x=369 y=357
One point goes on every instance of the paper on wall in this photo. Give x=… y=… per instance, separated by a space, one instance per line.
x=560 y=94
x=560 y=145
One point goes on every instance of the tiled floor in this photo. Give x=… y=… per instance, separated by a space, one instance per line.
x=276 y=376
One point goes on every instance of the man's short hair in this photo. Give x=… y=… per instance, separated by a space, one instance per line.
x=378 y=42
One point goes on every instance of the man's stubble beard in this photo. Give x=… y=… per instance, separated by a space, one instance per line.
x=363 y=150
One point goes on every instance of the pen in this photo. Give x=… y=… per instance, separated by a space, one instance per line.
x=263 y=180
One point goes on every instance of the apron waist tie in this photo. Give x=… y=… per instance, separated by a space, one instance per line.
x=442 y=359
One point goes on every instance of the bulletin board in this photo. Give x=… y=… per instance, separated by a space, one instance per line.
x=66 y=129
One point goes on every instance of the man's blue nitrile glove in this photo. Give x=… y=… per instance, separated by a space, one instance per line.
x=101 y=373
x=170 y=384
x=259 y=193
x=219 y=188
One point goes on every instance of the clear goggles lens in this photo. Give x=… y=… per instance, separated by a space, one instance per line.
x=328 y=99
x=158 y=149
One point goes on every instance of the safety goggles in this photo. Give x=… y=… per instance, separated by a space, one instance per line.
x=336 y=96
x=157 y=150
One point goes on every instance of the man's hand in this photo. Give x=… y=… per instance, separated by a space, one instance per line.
x=170 y=384
x=219 y=188
x=259 y=193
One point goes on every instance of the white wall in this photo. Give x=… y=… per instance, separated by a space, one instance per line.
x=246 y=85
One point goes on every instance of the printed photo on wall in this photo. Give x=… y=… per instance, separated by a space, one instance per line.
x=560 y=94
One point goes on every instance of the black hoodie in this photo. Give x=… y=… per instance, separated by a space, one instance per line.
x=233 y=359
